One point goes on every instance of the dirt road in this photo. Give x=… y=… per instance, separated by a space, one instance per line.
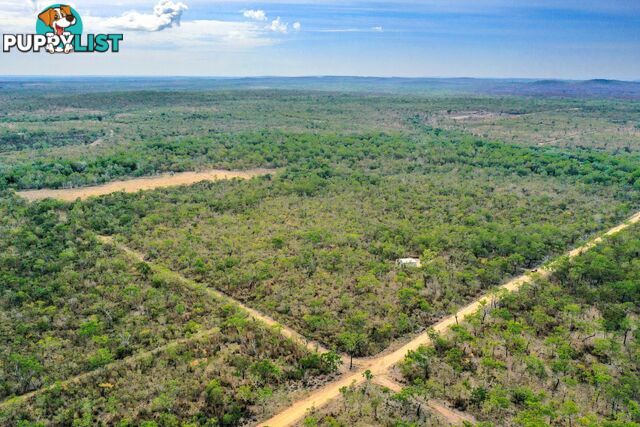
x=378 y=365
x=254 y=314
x=381 y=364
x=146 y=183
x=138 y=257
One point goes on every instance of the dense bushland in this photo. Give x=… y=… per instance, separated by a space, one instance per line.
x=315 y=245
x=71 y=305
x=363 y=180
x=229 y=376
x=558 y=352
x=313 y=153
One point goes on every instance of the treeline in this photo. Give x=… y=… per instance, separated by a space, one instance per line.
x=558 y=352
x=387 y=152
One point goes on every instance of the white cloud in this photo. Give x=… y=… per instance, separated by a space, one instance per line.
x=165 y=15
x=297 y=26
x=142 y=30
x=194 y=36
x=258 y=15
x=278 y=26
x=377 y=29
x=33 y=5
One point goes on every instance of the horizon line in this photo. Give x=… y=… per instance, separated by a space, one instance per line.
x=316 y=76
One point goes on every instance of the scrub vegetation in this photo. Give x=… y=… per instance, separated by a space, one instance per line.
x=479 y=187
x=137 y=345
x=562 y=351
x=315 y=245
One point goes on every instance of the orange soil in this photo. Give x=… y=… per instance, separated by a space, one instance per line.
x=146 y=183
x=381 y=364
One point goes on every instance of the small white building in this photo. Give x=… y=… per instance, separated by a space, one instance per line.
x=409 y=262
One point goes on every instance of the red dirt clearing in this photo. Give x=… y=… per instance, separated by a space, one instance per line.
x=146 y=183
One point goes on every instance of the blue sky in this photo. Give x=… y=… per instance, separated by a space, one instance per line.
x=483 y=38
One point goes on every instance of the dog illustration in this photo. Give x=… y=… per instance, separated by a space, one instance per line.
x=58 y=19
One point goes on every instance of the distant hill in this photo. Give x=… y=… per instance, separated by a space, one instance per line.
x=587 y=88
x=597 y=88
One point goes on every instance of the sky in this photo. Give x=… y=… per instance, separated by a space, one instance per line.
x=569 y=39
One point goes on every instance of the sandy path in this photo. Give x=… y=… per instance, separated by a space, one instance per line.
x=377 y=365
x=451 y=416
x=381 y=364
x=387 y=382
x=254 y=314
x=283 y=330
x=111 y=366
x=146 y=183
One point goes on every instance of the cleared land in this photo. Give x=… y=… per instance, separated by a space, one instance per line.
x=380 y=365
x=575 y=127
x=146 y=183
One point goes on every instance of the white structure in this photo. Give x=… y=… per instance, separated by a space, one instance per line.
x=409 y=262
